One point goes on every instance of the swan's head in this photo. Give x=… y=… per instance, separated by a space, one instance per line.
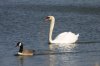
x=50 y=18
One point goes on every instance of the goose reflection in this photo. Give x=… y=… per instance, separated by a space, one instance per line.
x=60 y=49
x=21 y=60
x=97 y=64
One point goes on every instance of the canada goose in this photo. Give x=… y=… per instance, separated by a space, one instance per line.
x=24 y=51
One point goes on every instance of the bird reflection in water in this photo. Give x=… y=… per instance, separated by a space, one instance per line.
x=60 y=49
x=21 y=60
x=97 y=64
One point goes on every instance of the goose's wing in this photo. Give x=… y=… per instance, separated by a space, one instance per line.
x=28 y=51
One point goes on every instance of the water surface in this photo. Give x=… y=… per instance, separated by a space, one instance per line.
x=24 y=21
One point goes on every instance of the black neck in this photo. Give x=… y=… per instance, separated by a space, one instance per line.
x=21 y=49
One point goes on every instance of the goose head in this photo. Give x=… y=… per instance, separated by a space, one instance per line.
x=19 y=44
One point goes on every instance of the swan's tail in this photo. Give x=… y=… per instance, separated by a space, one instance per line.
x=72 y=37
x=77 y=35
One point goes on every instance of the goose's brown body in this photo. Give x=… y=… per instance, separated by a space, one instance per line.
x=24 y=51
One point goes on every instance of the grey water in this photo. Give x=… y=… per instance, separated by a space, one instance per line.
x=24 y=21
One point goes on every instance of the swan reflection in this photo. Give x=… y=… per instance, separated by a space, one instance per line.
x=60 y=49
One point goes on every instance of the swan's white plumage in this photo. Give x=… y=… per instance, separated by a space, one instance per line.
x=65 y=37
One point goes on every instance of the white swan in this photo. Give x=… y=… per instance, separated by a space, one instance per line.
x=65 y=37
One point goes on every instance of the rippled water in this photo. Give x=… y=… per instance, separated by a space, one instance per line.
x=24 y=21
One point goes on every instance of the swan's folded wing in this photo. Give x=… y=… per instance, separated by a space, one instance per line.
x=66 y=37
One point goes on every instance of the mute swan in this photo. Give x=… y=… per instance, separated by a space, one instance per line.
x=65 y=37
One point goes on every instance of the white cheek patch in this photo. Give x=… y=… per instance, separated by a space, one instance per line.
x=20 y=44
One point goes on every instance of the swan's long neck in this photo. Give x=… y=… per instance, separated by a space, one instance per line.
x=51 y=29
